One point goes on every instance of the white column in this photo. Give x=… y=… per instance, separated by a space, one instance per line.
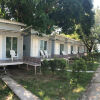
x=0 y=46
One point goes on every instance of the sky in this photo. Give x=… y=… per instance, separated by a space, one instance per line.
x=96 y=3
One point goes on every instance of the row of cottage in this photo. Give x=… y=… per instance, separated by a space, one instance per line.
x=27 y=42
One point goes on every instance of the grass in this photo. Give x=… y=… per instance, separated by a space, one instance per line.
x=61 y=85
x=56 y=86
x=6 y=93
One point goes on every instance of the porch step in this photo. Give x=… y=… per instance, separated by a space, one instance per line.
x=20 y=91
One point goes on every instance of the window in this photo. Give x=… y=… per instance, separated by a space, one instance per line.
x=78 y=49
x=61 y=48
x=11 y=44
x=71 y=49
x=43 y=45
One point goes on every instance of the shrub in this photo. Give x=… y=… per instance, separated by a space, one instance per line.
x=52 y=65
x=45 y=66
x=77 y=66
x=56 y=64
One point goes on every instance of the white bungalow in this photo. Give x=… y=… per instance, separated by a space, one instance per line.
x=10 y=39
x=75 y=46
x=61 y=45
x=34 y=43
x=53 y=44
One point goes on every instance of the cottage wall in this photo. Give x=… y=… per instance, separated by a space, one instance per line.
x=19 y=44
x=27 y=45
x=10 y=30
x=35 y=45
x=0 y=46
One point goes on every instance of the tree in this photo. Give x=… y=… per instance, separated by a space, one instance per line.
x=92 y=36
x=86 y=28
x=97 y=16
x=30 y=12
x=43 y=14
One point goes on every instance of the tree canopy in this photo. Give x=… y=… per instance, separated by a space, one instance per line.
x=43 y=14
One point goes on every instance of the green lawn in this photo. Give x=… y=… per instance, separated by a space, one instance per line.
x=55 y=87
x=60 y=85
x=6 y=93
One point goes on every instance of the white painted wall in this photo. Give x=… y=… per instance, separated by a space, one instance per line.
x=27 y=45
x=10 y=27
x=69 y=48
x=66 y=49
x=57 y=48
x=75 y=49
x=35 y=46
x=49 y=47
x=20 y=47
x=0 y=46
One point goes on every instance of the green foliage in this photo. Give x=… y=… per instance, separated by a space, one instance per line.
x=43 y=14
x=45 y=66
x=54 y=87
x=56 y=64
x=5 y=92
x=77 y=66
x=71 y=36
x=97 y=16
x=52 y=65
x=60 y=63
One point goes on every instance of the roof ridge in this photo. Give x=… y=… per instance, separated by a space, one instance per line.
x=11 y=22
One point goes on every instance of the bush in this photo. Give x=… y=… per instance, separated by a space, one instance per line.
x=56 y=64
x=77 y=66
x=92 y=57
x=60 y=64
x=52 y=65
x=45 y=66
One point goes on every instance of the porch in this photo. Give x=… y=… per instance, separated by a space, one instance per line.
x=10 y=62
x=67 y=57
x=36 y=62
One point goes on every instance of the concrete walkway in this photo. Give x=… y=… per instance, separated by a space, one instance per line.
x=20 y=91
x=82 y=71
x=93 y=92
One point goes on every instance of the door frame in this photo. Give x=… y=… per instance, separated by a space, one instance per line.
x=11 y=44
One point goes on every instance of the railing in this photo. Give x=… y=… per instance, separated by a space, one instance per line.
x=10 y=61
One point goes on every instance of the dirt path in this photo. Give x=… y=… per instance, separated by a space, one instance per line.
x=93 y=92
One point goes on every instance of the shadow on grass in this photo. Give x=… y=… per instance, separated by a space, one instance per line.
x=6 y=93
